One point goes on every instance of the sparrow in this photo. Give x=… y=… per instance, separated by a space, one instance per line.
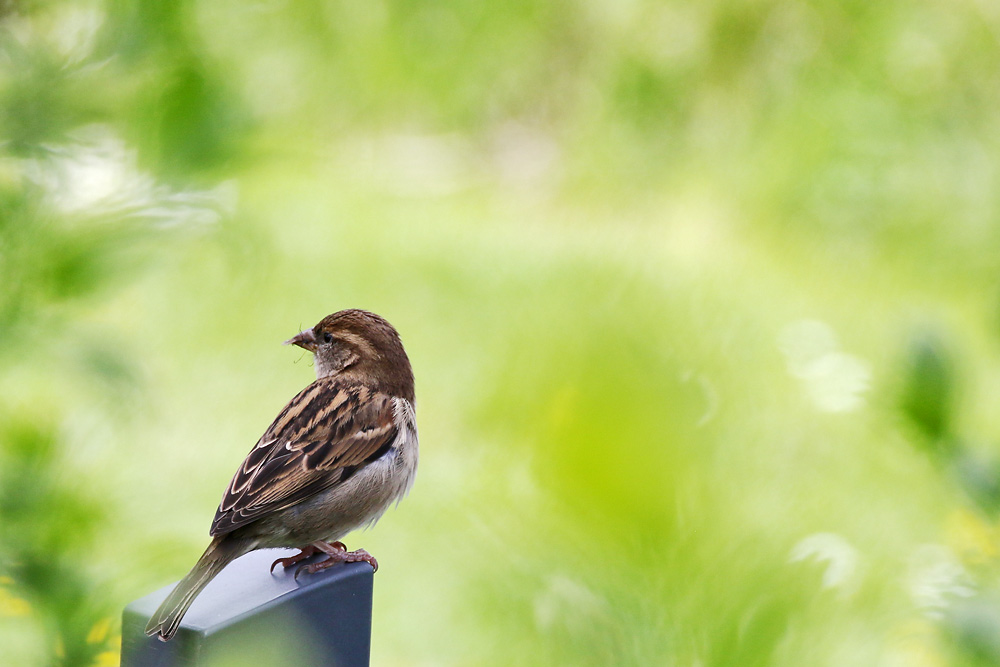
x=334 y=459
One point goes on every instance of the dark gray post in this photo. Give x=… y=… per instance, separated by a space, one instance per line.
x=251 y=616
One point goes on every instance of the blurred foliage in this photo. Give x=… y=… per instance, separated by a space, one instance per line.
x=927 y=395
x=657 y=265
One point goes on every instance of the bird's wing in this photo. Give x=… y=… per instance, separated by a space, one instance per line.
x=323 y=435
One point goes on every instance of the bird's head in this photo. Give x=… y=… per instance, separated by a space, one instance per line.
x=361 y=346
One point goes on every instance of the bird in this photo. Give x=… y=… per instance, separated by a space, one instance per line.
x=335 y=458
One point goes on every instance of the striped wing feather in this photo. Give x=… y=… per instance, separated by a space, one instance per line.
x=323 y=435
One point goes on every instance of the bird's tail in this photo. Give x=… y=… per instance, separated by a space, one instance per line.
x=219 y=553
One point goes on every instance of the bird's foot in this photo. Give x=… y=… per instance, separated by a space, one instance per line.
x=336 y=553
x=305 y=552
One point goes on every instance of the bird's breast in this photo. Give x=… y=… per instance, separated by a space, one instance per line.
x=360 y=500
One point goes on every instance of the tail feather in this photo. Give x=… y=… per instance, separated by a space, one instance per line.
x=219 y=553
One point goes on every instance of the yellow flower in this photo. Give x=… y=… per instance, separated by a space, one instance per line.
x=971 y=537
x=99 y=632
x=11 y=605
x=107 y=659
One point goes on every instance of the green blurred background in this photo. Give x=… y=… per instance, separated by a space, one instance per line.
x=703 y=300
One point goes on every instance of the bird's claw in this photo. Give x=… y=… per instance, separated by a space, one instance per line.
x=304 y=553
x=341 y=555
x=362 y=555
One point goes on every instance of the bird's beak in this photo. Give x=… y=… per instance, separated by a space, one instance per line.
x=306 y=340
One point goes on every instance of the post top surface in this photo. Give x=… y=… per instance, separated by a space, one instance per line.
x=246 y=585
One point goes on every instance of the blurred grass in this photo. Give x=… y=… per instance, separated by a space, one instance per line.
x=701 y=299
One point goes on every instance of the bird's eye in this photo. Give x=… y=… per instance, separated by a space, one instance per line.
x=328 y=337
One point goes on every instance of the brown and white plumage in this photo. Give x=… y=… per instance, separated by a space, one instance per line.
x=334 y=459
x=315 y=443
